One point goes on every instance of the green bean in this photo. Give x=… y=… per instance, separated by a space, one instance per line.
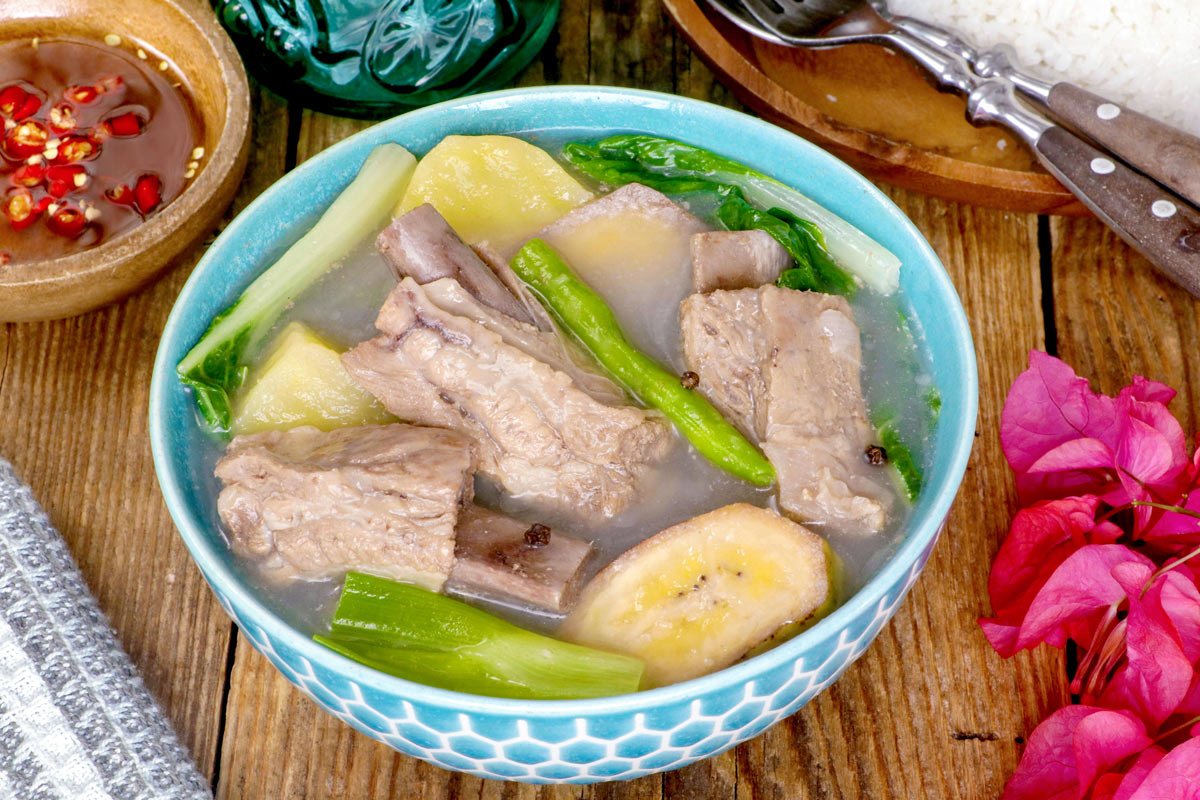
x=588 y=318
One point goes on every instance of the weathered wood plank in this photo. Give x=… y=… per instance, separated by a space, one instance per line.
x=1116 y=316
x=74 y=395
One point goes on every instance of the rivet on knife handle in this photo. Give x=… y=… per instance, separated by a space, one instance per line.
x=1162 y=225
x=1155 y=221
x=1166 y=154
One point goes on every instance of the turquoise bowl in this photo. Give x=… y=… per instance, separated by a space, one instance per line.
x=581 y=741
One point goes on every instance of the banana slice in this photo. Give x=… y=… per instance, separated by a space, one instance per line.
x=695 y=597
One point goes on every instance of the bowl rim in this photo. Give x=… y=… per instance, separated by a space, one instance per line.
x=228 y=155
x=201 y=544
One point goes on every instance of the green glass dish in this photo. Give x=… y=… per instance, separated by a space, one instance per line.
x=373 y=59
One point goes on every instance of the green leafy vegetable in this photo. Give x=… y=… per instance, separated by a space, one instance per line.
x=584 y=313
x=217 y=365
x=673 y=167
x=933 y=398
x=901 y=457
x=423 y=636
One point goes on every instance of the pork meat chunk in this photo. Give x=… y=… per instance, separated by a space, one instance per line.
x=423 y=246
x=784 y=366
x=736 y=260
x=382 y=499
x=534 y=431
x=502 y=558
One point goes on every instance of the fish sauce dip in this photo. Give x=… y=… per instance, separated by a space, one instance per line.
x=343 y=306
x=98 y=136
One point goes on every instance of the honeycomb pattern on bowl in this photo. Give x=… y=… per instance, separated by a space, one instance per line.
x=542 y=746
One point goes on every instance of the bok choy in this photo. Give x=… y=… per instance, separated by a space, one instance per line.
x=218 y=363
x=423 y=636
x=824 y=246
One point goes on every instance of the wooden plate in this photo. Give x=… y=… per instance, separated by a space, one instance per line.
x=186 y=33
x=876 y=111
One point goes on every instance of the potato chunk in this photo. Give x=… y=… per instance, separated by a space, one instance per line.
x=494 y=188
x=303 y=382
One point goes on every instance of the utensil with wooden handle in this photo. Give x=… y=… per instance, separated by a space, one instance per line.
x=1162 y=225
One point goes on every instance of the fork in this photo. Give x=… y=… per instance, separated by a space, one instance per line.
x=1163 y=225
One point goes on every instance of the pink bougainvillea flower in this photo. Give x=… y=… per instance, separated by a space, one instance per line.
x=1072 y=749
x=1124 y=785
x=1040 y=539
x=1176 y=776
x=1175 y=530
x=1162 y=642
x=1063 y=439
x=1070 y=604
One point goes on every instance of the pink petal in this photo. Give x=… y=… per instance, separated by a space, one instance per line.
x=1173 y=525
x=1104 y=739
x=1136 y=774
x=1063 y=747
x=1146 y=455
x=1078 y=592
x=1047 y=406
x=1041 y=537
x=1149 y=391
x=1047 y=769
x=1157 y=675
x=1180 y=601
x=1175 y=777
x=1190 y=706
x=1077 y=454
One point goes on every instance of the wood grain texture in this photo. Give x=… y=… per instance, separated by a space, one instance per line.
x=1116 y=316
x=929 y=712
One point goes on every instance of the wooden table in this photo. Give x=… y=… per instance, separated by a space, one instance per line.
x=929 y=712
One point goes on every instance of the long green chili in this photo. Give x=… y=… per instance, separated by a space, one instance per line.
x=585 y=314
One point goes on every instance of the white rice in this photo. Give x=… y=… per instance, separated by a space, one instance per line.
x=1142 y=53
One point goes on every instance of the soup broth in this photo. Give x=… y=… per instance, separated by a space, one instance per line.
x=343 y=305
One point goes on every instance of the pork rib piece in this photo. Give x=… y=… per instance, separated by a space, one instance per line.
x=382 y=499
x=783 y=366
x=736 y=260
x=532 y=427
x=423 y=246
x=495 y=559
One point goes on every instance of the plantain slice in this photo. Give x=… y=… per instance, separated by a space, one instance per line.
x=697 y=596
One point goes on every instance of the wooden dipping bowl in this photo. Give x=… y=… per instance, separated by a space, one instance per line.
x=185 y=34
x=875 y=110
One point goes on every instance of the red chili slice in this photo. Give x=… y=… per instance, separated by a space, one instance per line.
x=19 y=209
x=81 y=94
x=120 y=194
x=126 y=124
x=147 y=193
x=67 y=172
x=27 y=139
x=19 y=104
x=61 y=118
x=28 y=108
x=11 y=97
x=28 y=175
x=67 y=221
x=75 y=148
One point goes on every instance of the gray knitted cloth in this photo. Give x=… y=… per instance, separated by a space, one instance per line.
x=76 y=722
